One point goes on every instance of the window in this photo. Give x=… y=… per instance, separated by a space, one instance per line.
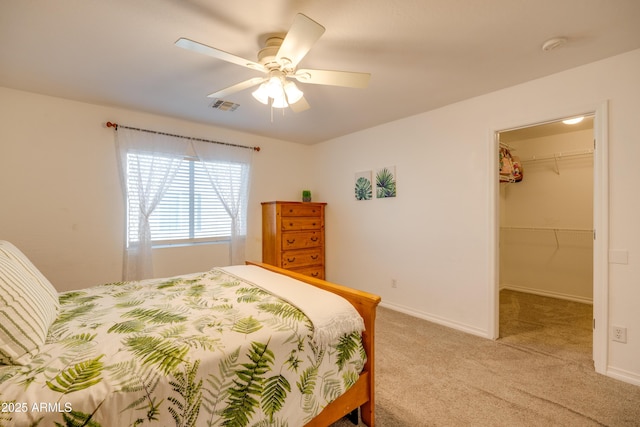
x=190 y=209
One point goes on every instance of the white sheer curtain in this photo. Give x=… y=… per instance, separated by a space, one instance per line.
x=154 y=177
x=223 y=163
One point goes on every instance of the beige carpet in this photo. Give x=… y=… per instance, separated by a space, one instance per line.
x=539 y=373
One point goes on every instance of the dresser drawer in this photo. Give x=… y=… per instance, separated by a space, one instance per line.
x=300 y=210
x=301 y=258
x=316 y=271
x=301 y=240
x=301 y=223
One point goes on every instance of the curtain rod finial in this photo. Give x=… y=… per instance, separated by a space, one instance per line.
x=112 y=125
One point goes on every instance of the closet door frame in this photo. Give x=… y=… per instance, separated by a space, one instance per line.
x=600 y=221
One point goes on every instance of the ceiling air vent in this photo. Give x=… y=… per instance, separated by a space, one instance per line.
x=222 y=105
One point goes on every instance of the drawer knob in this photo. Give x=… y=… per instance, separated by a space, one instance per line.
x=314 y=239
x=314 y=257
x=315 y=274
x=291 y=259
x=291 y=241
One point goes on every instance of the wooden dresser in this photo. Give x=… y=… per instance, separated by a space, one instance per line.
x=293 y=236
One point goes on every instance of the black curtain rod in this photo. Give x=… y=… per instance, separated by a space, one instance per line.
x=116 y=126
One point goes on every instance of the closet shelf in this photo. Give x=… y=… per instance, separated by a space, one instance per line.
x=559 y=156
x=586 y=230
x=551 y=229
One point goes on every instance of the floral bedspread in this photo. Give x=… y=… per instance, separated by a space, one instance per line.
x=198 y=350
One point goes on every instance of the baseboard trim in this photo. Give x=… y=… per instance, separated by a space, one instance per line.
x=550 y=294
x=622 y=375
x=436 y=319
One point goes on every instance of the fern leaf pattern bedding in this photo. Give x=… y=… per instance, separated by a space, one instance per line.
x=209 y=349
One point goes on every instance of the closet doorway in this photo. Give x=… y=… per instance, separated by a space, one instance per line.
x=546 y=238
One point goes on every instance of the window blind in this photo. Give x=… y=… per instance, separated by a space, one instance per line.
x=190 y=209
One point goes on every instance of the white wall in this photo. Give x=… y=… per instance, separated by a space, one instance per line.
x=60 y=195
x=431 y=238
x=553 y=194
x=435 y=238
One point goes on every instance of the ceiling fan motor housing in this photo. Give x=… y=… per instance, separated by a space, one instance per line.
x=267 y=56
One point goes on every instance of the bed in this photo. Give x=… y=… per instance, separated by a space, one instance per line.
x=245 y=345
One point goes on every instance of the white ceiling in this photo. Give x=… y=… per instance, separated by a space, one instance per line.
x=422 y=54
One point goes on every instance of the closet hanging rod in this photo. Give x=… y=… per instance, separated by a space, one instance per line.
x=560 y=155
x=582 y=230
x=116 y=126
x=555 y=231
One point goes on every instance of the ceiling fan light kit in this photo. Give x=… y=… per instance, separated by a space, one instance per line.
x=292 y=92
x=279 y=59
x=282 y=93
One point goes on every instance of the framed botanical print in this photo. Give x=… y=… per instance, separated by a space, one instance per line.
x=386 y=182
x=363 y=186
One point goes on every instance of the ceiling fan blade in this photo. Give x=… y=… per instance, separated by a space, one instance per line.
x=333 y=78
x=303 y=34
x=219 y=54
x=237 y=87
x=300 y=106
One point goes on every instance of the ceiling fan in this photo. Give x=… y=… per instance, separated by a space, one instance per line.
x=279 y=60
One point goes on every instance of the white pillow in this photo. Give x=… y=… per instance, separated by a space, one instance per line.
x=28 y=306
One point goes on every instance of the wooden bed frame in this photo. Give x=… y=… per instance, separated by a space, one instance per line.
x=362 y=393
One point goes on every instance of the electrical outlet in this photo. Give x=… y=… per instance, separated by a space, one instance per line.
x=394 y=283
x=619 y=334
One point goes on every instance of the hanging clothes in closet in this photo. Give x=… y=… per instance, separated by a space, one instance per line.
x=510 y=166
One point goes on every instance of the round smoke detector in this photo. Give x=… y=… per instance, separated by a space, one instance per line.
x=553 y=43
